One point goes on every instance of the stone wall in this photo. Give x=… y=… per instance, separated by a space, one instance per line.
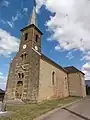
x=76 y=88
x=48 y=90
x=9 y=93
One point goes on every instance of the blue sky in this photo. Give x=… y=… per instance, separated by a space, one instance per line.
x=14 y=15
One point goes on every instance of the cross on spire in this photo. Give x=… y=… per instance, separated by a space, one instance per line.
x=33 y=18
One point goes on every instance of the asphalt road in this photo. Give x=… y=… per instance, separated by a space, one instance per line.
x=78 y=111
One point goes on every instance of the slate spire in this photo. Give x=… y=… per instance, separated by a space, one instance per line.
x=33 y=18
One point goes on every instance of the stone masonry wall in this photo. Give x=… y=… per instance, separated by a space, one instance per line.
x=48 y=90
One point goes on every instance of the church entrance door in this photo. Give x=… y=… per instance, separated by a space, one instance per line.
x=19 y=88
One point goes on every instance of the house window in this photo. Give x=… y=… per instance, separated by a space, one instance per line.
x=26 y=36
x=53 y=76
x=36 y=39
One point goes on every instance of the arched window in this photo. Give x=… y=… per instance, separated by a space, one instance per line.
x=53 y=78
x=22 y=75
x=25 y=55
x=22 y=56
x=19 y=83
x=26 y=36
x=36 y=39
x=66 y=82
x=19 y=75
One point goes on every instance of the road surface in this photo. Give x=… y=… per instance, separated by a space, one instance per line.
x=78 y=111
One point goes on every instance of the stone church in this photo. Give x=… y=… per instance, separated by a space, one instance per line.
x=33 y=77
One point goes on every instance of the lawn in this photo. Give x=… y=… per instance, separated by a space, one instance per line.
x=31 y=111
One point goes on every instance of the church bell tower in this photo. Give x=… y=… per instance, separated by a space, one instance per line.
x=23 y=78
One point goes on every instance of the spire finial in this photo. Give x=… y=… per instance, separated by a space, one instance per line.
x=33 y=18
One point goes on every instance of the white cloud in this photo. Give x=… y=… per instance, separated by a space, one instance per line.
x=8 y=44
x=3 y=80
x=86 y=66
x=6 y=3
x=10 y=24
x=39 y=4
x=86 y=70
x=86 y=57
x=3 y=21
x=1 y=73
x=14 y=19
x=18 y=16
x=70 y=26
x=69 y=56
x=25 y=10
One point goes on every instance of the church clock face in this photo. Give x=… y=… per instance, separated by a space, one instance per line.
x=36 y=48
x=24 y=46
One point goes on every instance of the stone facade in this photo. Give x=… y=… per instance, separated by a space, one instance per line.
x=24 y=68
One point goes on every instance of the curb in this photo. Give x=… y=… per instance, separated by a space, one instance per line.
x=56 y=109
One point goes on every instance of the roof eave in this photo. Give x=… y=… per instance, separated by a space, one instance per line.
x=32 y=25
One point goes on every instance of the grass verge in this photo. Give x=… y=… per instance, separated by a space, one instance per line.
x=31 y=111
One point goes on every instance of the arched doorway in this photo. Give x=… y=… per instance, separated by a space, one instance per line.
x=19 y=88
